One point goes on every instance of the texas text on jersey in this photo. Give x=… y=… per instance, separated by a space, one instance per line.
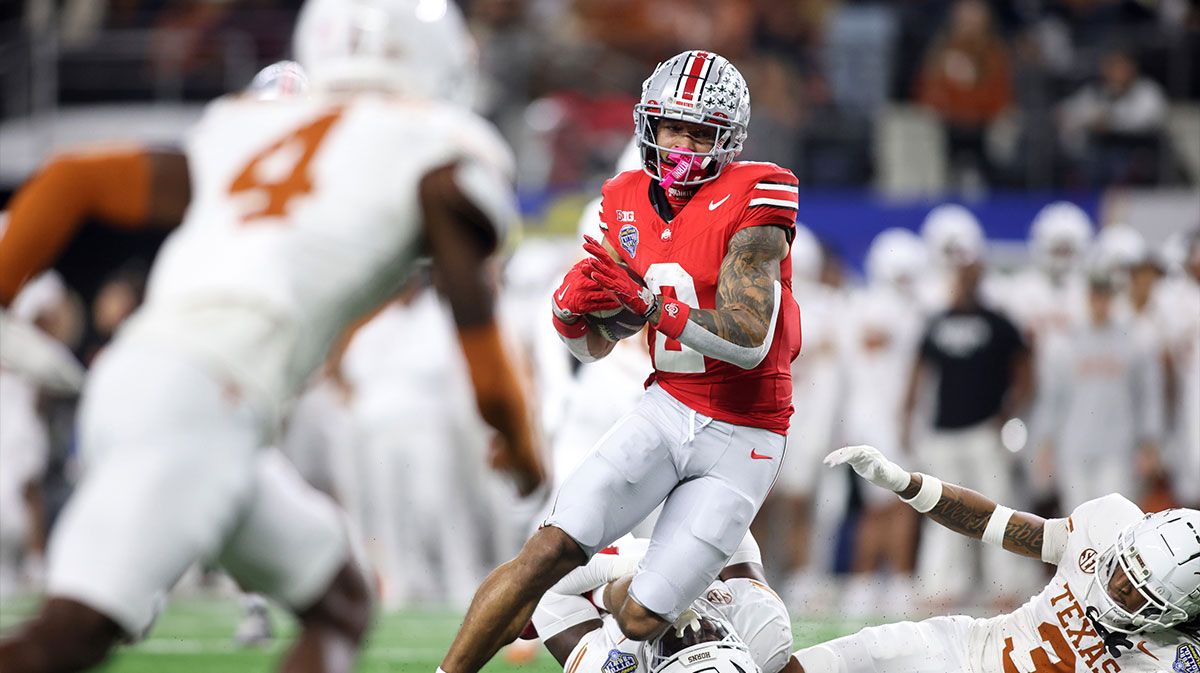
x=681 y=259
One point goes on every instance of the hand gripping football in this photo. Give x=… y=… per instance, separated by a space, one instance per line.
x=618 y=323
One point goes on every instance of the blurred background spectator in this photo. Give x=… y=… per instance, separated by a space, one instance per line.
x=966 y=79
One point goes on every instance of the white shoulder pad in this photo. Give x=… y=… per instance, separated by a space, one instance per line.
x=747 y=552
x=485 y=169
x=1101 y=519
x=761 y=619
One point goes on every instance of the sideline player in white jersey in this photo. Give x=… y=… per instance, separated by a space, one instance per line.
x=738 y=619
x=1124 y=599
x=304 y=215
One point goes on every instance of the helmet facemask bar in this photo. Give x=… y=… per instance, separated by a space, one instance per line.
x=648 y=117
x=694 y=644
x=1154 y=615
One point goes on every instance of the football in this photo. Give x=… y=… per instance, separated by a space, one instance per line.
x=618 y=323
x=615 y=324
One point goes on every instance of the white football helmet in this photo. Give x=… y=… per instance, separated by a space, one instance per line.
x=701 y=640
x=1120 y=246
x=699 y=87
x=414 y=48
x=1059 y=237
x=953 y=235
x=282 y=79
x=896 y=257
x=807 y=256
x=1160 y=555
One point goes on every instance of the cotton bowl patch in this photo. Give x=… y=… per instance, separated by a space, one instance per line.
x=620 y=662
x=1187 y=659
x=629 y=239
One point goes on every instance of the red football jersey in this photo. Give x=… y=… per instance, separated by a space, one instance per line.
x=682 y=259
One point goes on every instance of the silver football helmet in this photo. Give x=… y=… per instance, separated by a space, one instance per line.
x=700 y=640
x=414 y=48
x=699 y=87
x=1160 y=556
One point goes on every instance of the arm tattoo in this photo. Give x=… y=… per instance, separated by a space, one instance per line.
x=746 y=287
x=1024 y=538
x=967 y=512
x=954 y=512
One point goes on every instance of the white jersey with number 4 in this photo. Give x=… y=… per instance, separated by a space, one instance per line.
x=1052 y=632
x=305 y=214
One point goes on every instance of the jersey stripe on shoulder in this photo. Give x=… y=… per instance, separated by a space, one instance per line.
x=777 y=193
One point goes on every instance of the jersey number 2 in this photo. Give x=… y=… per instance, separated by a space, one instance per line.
x=279 y=173
x=670 y=280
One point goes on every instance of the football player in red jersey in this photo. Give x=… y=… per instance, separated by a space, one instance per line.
x=711 y=239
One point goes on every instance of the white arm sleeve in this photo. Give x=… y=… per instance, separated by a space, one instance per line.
x=579 y=348
x=1054 y=540
x=603 y=568
x=705 y=342
x=556 y=613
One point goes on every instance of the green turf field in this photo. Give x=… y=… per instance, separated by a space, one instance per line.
x=194 y=636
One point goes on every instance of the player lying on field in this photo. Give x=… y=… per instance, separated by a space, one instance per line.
x=1125 y=597
x=739 y=625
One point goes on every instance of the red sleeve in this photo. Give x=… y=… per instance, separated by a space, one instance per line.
x=773 y=199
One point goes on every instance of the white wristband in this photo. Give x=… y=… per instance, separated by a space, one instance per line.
x=929 y=495
x=997 y=524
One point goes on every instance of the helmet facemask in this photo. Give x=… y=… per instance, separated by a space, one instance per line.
x=701 y=641
x=700 y=88
x=1155 y=614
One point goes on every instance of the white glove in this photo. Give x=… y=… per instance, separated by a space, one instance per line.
x=36 y=355
x=688 y=620
x=870 y=464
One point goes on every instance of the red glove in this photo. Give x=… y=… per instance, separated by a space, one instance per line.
x=633 y=295
x=609 y=275
x=577 y=295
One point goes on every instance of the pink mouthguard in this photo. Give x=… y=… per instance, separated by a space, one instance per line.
x=683 y=164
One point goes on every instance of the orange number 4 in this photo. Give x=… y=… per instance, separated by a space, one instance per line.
x=301 y=143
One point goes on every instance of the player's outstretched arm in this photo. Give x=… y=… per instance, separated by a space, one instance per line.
x=955 y=507
x=461 y=239
x=739 y=329
x=126 y=186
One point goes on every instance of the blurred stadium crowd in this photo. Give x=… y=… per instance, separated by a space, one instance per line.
x=1087 y=379
x=1027 y=94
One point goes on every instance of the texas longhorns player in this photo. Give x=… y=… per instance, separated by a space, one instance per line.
x=711 y=238
x=125 y=185
x=1125 y=596
x=304 y=215
x=577 y=629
